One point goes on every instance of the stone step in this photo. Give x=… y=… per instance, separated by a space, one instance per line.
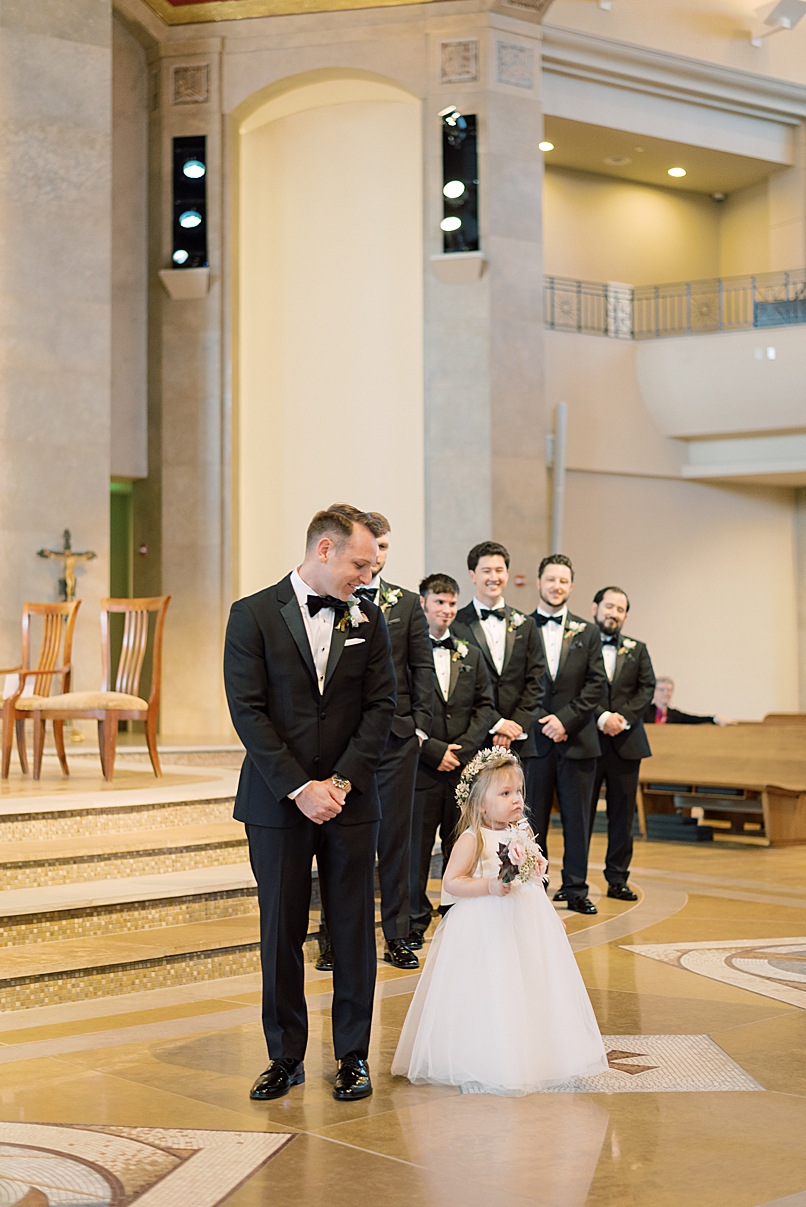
x=75 y=969
x=124 y=906
x=41 y=861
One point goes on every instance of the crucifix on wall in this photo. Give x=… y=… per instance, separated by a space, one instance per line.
x=67 y=585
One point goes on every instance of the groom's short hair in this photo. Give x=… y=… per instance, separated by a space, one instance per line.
x=377 y=523
x=337 y=523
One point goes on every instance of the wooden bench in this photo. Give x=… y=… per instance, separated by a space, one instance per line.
x=748 y=772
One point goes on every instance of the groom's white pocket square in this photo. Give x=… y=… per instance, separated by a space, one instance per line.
x=355 y=641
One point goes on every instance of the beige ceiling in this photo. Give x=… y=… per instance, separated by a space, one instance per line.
x=586 y=147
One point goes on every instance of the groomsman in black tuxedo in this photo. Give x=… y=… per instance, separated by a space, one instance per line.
x=463 y=712
x=565 y=735
x=511 y=647
x=311 y=688
x=629 y=689
x=396 y=774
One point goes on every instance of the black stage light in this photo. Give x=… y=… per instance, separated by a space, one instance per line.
x=190 y=202
x=460 y=185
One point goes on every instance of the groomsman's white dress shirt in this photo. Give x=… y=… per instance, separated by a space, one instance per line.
x=496 y=633
x=320 y=635
x=609 y=654
x=442 y=666
x=552 y=635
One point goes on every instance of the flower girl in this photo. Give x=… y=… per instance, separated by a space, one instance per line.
x=500 y=1007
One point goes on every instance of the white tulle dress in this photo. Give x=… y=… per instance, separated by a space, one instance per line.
x=500 y=1007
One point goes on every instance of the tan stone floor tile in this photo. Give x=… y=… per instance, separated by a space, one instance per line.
x=622 y=1013
x=111 y=1022
x=27 y=849
x=772 y=1050
x=85 y=776
x=610 y=967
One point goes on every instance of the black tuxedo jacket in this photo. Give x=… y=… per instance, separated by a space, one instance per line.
x=516 y=691
x=414 y=662
x=675 y=717
x=464 y=718
x=575 y=693
x=630 y=692
x=293 y=734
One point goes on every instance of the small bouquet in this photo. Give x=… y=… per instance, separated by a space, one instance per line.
x=521 y=857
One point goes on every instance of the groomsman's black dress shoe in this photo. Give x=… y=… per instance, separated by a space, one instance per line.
x=621 y=893
x=582 y=905
x=326 y=963
x=277 y=1080
x=415 y=940
x=560 y=895
x=399 y=953
x=352 y=1079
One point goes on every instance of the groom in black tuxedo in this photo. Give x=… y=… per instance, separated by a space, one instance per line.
x=629 y=689
x=311 y=690
x=565 y=735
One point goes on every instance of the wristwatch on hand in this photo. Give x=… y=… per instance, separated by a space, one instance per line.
x=342 y=784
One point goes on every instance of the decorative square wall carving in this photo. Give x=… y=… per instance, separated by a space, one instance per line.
x=191 y=84
x=459 y=61
x=515 y=64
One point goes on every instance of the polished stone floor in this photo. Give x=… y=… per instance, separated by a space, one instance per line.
x=699 y=989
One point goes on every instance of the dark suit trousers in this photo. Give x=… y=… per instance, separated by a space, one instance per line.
x=435 y=809
x=621 y=779
x=573 y=781
x=281 y=862
x=395 y=777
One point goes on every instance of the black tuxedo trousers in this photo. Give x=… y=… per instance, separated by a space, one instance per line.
x=620 y=777
x=572 y=780
x=281 y=861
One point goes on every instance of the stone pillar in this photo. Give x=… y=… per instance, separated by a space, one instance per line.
x=55 y=225
x=800 y=589
x=485 y=422
x=186 y=416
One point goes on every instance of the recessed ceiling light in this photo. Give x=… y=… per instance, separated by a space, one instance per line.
x=451 y=224
x=676 y=171
x=618 y=161
x=453 y=189
x=545 y=146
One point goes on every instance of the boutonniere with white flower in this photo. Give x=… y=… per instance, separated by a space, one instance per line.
x=389 y=597
x=460 y=650
x=627 y=645
x=516 y=619
x=353 y=616
x=573 y=627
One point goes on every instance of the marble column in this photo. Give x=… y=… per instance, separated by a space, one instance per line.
x=800 y=589
x=55 y=224
x=485 y=422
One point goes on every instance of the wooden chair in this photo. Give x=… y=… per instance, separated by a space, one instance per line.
x=59 y=620
x=109 y=707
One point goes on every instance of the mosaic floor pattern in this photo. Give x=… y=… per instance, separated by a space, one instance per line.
x=44 y=1164
x=663 y=1064
x=775 y=969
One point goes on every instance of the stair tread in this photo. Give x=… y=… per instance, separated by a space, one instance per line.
x=212 y=783
x=86 y=893
x=65 y=955
x=29 y=850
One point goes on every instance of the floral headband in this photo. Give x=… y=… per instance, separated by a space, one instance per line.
x=476 y=765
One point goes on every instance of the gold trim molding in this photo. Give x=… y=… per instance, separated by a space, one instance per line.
x=235 y=10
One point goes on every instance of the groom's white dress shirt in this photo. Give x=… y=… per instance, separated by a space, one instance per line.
x=320 y=635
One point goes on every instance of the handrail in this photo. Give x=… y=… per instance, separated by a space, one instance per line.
x=773 y=299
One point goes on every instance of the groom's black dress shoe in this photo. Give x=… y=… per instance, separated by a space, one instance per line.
x=415 y=940
x=560 y=895
x=352 y=1080
x=621 y=893
x=582 y=905
x=277 y=1080
x=399 y=953
x=326 y=963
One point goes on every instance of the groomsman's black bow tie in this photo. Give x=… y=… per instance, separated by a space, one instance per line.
x=445 y=644
x=317 y=602
x=496 y=613
x=368 y=593
x=541 y=619
x=610 y=640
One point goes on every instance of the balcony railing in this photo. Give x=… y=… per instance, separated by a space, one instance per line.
x=774 y=299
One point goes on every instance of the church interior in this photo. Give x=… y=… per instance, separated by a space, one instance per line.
x=522 y=271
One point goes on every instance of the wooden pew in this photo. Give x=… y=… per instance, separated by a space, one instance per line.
x=752 y=770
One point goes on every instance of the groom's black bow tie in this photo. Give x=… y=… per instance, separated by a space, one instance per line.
x=445 y=644
x=317 y=602
x=369 y=594
x=496 y=613
x=610 y=640
x=541 y=619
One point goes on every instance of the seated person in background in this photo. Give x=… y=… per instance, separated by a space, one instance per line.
x=659 y=712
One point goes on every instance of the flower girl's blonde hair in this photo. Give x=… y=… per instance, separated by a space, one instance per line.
x=472 y=789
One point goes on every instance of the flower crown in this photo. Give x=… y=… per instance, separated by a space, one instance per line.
x=477 y=765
